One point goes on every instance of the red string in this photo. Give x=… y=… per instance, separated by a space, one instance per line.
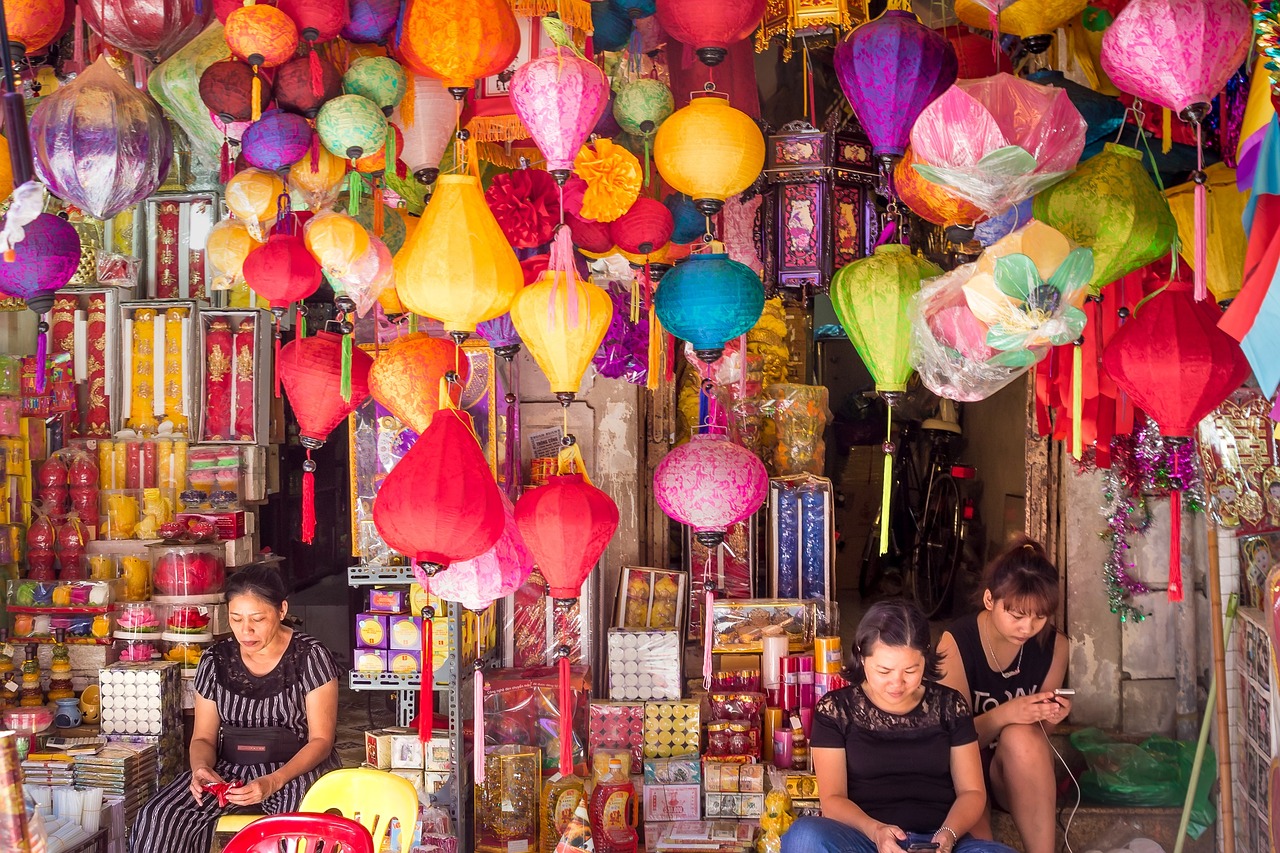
x=317 y=74
x=426 y=690
x=1175 y=545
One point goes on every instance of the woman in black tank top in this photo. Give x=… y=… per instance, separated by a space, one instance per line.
x=1007 y=659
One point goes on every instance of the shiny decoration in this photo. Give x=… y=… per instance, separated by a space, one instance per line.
x=33 y=24
x=1027 y=19
x=371 y=21
x=613 y=177
x=457 y=266
x=251 y=196
x=998 y=140
x=426 y=116
x=559 y=97
x=890 y=69
x=156 y=29
x=336 y=240
x=351 y=126
x=788 y=18
x=175 y=84
x=458 y=41
x=378 y=78
x=643 y=229
x=276 y=141
x=99 y=143
x=710 y=28
x=1226 y=242
x=710 y=484
x=495 y=574
x=709 y=151
x=707 y=300
x=567 y=524
x=282 y=270
x=261 y=35
x=405 y=377
x=1103 y=114
x=931 y=202
x=440 y=503
x=226 y=88
x=294 y=90
x=1109 y=204
x=526 y=204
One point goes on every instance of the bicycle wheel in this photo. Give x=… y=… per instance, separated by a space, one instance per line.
x=872 y=569
x=938 y=546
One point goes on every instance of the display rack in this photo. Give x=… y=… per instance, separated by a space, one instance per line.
x=457 y=685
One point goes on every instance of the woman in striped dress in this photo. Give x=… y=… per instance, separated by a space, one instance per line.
x=267 y=692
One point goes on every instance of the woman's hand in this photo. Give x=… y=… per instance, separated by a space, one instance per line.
x=252 y=793
x=945 y=839
x=201 y=776
x=1032 y=709
x=886 y=838
x=1059 y=709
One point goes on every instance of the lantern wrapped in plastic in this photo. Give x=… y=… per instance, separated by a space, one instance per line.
x=314 y=372
x=100 y=143
x=251 y=196
x=457 y=265
x=710 y=28
x=405 y=377
x=931 y=202
x=276 y=141
x=709 y=299
x=175 y=83
x=336 y=240
x=33 y=24
x=890 y=69
x=495 y=574
x=559 y=97
x=709 y=151
x=371 y=275
x=227 y=246
x=295 y=88
x=378 y=78
x=426 y=115
x=351 y=126
x=156 y=29
x=998 y=140
x=320 y=184
x=458 y=41
x=1110 y=205
x=1176 y=365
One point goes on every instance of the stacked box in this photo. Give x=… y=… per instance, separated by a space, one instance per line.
x=679 y=770
x=672 y=728
x=401 y=749
x=732 y=777
x=644 y=665
x=616 y=725
x=170 y=758
x=130 y=771
x=141 y=698
x=734 y=805
x=672 y=802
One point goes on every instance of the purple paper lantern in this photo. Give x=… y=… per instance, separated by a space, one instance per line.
x=43 y=261
x=277 y=140
x=501 y=334
x=891 y=69
x=559 y=98
x=371 y=21
x=710 y=484
x=100 y=143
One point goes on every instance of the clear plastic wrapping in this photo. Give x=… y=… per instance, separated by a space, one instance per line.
x=802 y=555
x=801 y=414
x=644 y=665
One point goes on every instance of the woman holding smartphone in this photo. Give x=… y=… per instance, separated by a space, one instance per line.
x=1008 y=659
x=895 y=753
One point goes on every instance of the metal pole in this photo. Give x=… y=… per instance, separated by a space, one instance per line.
x=1225 y=792
x=15 y=113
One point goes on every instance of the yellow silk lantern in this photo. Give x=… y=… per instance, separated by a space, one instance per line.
x=1227 y=240
x=459 y=41
x=562 y=320
x=390 y=301
x=336 y=240
x=709 y=151
x=457 y=265
x=251 y=197
x=328 y=173
x=1022 y=18
x=229 y=243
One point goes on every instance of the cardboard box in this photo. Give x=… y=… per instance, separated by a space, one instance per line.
x=372 y=631
x=734 y=805
x=727 y=777
x=404 y=661
x=156 y=333
x=370 y=660
x=390 y=601
x=241 y=552
x=672 y=728
x=228 y=525
x=616 y=725
x=400 y=749
x=672 y=802
x=405 y=632
x=251 y=358
x=679 y=770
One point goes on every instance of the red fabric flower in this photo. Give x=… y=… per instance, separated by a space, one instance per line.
x=526 y=203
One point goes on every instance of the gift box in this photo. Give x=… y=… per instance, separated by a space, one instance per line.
x=86 y=325
x=371 y=630
x=738 y=627
x=370 y=660
x=732 y=569
x=404 y=662
x=387 y=601
x=801 y=537
x=644 y=665
x=226 y=525
x=616 y=725
x=160 y=365
x=507 y=801
x=651 y=598
x=672 y=728
x=177 y=227
x=521 y=707
x=678 y=770
x=235 y=375
x=405 y=632
x=672 y=802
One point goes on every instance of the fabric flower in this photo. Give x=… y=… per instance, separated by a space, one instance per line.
x=526 y=204
x=613 y=177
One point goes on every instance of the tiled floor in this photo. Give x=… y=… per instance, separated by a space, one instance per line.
x=355 y=710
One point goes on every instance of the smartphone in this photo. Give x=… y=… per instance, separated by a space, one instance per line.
x=922 y=846
x=1065 y=691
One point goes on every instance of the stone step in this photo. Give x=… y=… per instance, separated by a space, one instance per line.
x=1095 y=825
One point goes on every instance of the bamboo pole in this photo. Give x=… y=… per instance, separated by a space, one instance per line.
x=1225 y=791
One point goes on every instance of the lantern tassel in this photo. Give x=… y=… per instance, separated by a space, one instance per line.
x=300 y=323
x=477 y=716
x=378 y=224
x=346 y=368
x=886 y=489
x=354 y=191
x=315 y=152
x=407 y=114
x=1166 y=130
x=1175 y=545
x=1077 y=401
x=566 y=717
x=427 y=687
x=708 y=629
x=646 y=160
x=1202 y=220
x=77 y=31
x=224 y=163
x=42 y=352
x=308 y=501
x=317 y=73
x=257 y=95
x=277 y=362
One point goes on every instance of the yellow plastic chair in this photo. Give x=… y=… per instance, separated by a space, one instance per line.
x=371 y=797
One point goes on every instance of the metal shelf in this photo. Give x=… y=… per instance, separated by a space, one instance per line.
x=378 y=575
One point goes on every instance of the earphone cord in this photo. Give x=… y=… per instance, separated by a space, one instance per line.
x=1066 y=830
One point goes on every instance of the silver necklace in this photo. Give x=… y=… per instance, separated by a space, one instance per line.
x=995 y=661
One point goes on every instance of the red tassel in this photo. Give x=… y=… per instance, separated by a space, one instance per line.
x=308 y=504
x=566 y=719
x=1175 y=545
x=224 y=166
x=315 y=152
x=317 y=73
x=426 y=690
x=277 y=361
x=377 y=209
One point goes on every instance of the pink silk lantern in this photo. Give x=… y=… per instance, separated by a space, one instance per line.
x=559 y=97
x=498 y=572
x=997 y=140
x=1179 y=54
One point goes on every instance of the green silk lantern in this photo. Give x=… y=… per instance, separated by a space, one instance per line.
x=1110 y=205
x=871 y=297
x=640 y=107
x=378 y=78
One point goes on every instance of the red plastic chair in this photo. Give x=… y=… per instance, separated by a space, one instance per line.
x=322 y=833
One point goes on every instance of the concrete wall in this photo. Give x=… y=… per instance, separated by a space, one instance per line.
x=994 y=429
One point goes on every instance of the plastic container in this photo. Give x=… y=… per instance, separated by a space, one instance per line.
x=194 y=572
x=119 y=513
x=614 y=812
x=137 y=651
x=139 y=621
x=135 y=572
x=58 y=595
x=185 y=653
x=189 y=622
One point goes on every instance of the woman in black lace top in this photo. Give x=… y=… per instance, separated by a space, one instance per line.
x=896 y=753
x=266 y=719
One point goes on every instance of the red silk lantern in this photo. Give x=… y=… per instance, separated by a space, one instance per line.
x=440 y=504
x=1176 y=365
x=318 y=21
x=710 y=27
x=643 y=229
x=294 y=87
x=282 y=270
x=975 y=54
x=226 y=88
x=310 y=369
x=155 y=30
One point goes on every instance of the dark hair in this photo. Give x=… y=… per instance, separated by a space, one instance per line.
x=1023 y=576
x=896 y=622
x=261 y=581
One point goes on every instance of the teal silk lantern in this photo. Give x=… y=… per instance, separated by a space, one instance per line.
x=351 y=126
x=379 y=78
x=708 y=300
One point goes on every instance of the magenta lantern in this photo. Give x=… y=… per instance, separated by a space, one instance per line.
x=891 y=69
x=41 y=262
x=559 y=97
x=498 y=572
x=710 y=484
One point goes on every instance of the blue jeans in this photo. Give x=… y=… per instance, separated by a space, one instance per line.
x=824 y=835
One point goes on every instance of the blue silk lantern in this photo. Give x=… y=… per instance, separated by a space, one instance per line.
x=1103 y=115
x=276 y=141
x=634 y=9
x=371 y=21
x=891 y=69
x=611 y=31
x=689 y=223
x=708 y=300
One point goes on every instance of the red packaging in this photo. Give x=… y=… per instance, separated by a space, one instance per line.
x=227 y=525
x=53 y=472
x=83 y=472
x=521 y=706
x=616 y=725
x=219 y=348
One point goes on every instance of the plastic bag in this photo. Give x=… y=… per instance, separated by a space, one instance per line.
x=1153 y=773
x=801 y=413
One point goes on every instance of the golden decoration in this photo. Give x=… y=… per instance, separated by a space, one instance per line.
x=219 y=363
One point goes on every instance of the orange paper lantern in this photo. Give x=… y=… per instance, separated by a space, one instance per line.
x=930 y=201
x=33 y=24
x=406 y=376
x=458 y=41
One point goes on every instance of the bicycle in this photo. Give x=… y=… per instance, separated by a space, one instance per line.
x=929 y=517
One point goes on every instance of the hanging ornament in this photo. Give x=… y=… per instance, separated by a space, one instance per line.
x=931 y=202
x=458 y=41
x=371 y=21
x=226 y=88
x=295 y=90
x=709 y=151
x=262 y=36
x=175 y=83
x=32 y=24
x=610 y=30
x=612 y=177
x=640 y=107
x=318 y=178
x=282 y=271
x=1034 y=21
x=378 y=78
x=227 y=246
x=559 y=97
x=710 y=28
x=251 y=196
x=351 y=126
x=311 y=371
x=403 y=374
x=527 y=206
x=317 y=21
x=495 y=574
x=709 y=300
x=336 y=240
x=155 y=30
x=1227 y=242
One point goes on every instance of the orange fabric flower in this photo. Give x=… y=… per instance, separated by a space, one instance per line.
x=613 y=177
